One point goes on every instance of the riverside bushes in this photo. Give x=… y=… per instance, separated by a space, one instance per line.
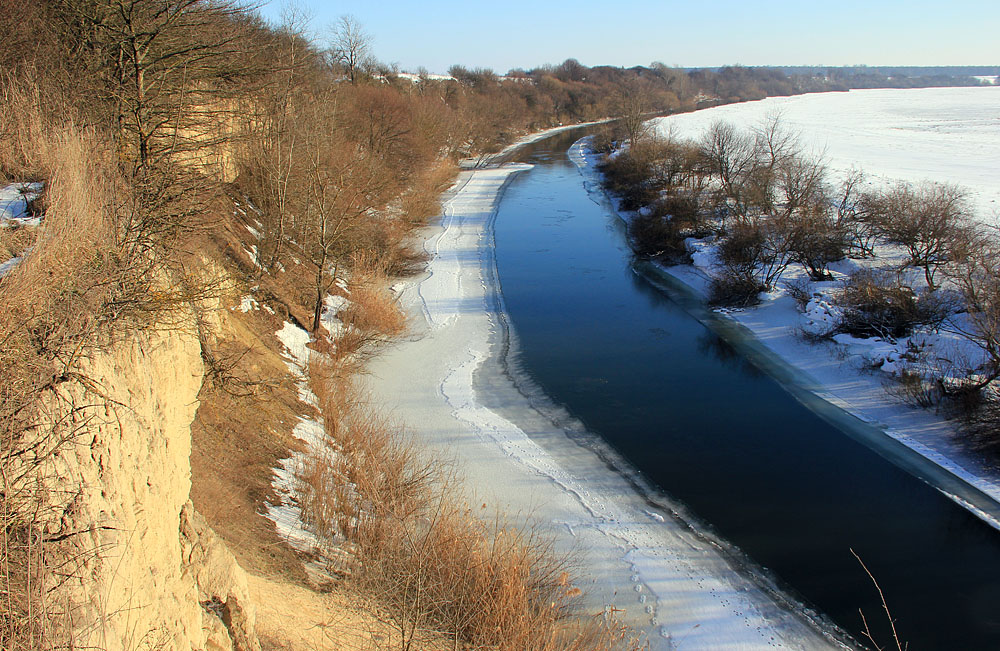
x=877 y=304
x=659 y=236
x=769 y=206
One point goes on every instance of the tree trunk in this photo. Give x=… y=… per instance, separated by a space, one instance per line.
x=318 y=309
x=929 y=277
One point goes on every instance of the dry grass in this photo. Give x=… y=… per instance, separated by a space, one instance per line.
x=372 y=316
x=52 y=304
x=236 y=442
x=15 y=241
x=423 y=201
x=428 y=562
x=391 y=237
x=23 y=616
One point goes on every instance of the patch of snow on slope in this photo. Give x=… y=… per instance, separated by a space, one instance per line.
x=8 y=266
x=14 y=200
x=248 y=303
x=287 y=514
x=332 y=305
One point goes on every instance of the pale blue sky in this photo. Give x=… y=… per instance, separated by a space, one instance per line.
x=524 y=34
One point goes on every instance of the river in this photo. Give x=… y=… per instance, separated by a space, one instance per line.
x=712 y=430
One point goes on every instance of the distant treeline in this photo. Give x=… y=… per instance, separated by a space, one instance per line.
x=571 y=91
x=896 y=71
x=819 y=78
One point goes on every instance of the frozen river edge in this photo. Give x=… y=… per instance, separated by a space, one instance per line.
x=677 y=583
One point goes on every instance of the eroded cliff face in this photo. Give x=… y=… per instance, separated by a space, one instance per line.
x=141 y=568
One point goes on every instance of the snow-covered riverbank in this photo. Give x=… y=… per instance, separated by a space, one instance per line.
x=679 y=585
x=845 y=374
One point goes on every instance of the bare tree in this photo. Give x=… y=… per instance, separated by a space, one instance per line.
x=929 y=221
x=977 y=277
x=269 y=156
x=803 y=212
x=168 y=69
x=856 y=215
x=634 y=104
x=382 y=122
x=815 y=239
x=732 y=158
x=747 y=165
x=350 y=46
x=342 y=184
x=779 y=171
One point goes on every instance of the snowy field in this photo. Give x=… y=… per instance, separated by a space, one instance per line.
x=950 y=135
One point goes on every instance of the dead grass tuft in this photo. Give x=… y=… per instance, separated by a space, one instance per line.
x=423 y=201
x=373 y=314
x=425 y=559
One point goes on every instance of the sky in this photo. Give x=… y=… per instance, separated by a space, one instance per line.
x=527 y=34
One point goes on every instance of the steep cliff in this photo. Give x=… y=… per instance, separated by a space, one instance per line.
x=141 y=569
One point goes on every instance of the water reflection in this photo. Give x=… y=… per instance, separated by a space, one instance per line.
x=712 y=344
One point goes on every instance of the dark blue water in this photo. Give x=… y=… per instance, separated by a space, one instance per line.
x=793 y=492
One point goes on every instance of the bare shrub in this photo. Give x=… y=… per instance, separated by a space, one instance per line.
x=982 y=424
x=423 y=200
x=878 y=304
x=978 y=280
x=373 y=310
x=915 y=389
x=627 y=176
x=857 y=216
x=930 y=221
x=758 y=249
x=800 y=292
x=734 y=289
x=816 y=240
x=659 y=236
x=685 y=210
x=603 y=142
